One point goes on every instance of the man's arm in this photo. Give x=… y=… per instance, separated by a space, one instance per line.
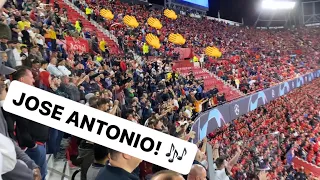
x=20 y=171
x=204 y=145
x=23 y=135
x=114 y=108
x=24 y=167
x=54 y=71
x=234 y=160
x=215 y=152
x=57 y=72
x=16 y=30
x=21 y=155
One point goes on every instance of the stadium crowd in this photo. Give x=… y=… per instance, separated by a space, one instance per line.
x=284 y=53
x=275 y=133
x=152 y=93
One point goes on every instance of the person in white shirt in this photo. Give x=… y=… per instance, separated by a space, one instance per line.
x=24 y=53
x=30 y=31
x=201 y=60
x=62 y=67
x=38 y=38
x=16 y=54
x=8 y=155
x=52 y=68
x=221 y=166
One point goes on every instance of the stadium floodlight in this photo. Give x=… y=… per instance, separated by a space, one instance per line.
x=276 y=4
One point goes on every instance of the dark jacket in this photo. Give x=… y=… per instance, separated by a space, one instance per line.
x=90 y=87
x=72 y=91
x=115 y=173
x=28 y=62
x=28 y=132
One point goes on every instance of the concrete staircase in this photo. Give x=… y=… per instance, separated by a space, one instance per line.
x=210 y=80
x=75 y=13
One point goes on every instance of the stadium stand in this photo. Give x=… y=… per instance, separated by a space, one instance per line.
x=64 y=46
x=244 y=48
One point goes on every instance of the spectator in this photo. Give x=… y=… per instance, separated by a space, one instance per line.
x=62 y=67
x=33 y=142
x=52 y=68
x=4 y=58
x=197 y=172
x=71 y=89
x=24 y=54
x=120 y=166
x=35 y=72
x=166 y=174
x=31 y=57
x=221 y=167
x=100 y=160
x=25 y=168
x=52 y=34
x=7 y=155
x=13 y=54
x=44 y=66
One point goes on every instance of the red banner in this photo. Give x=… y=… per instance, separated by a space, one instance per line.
x=77 y=44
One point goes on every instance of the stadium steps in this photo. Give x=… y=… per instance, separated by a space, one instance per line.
x=75 y=14
x=210 y=80
x=61 y=168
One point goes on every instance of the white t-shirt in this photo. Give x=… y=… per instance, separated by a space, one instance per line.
x=188 y=112
x=17 y=57
x=39 y=39
x=176 y=103
x=7 y=155
x=219 y=174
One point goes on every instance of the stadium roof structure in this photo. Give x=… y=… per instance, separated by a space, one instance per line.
x=287 y=13
x=276 y=13
x=310 y=11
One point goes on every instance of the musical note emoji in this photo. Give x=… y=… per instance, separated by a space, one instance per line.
x=175 y=154
x=171 y=149
x=183 y=154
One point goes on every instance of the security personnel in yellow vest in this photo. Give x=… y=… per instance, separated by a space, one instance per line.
x=88 y=12
x=145 y=50
x=99 y=58
x=77 y=26
x=195 y=59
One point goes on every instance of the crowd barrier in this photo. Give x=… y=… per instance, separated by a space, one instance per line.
x=212 y=119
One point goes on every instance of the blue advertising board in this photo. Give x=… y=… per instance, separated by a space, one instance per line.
x=214 y=118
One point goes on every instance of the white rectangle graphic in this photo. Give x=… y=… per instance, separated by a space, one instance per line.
x=100 y=127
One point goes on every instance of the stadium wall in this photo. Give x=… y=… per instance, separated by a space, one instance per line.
x=214 y=118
